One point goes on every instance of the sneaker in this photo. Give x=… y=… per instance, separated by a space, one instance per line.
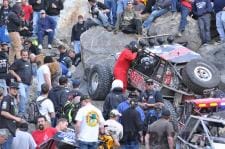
x=49 y=46
x=179 y=34
x=40 y=47
x=109 y=28
x=173 y=16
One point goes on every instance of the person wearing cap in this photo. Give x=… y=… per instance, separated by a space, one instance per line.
x=23 y=138
x=127 y=103
x=164 y=131
x=46 y=26
x=89 y=120
x=132 y=126
x=58 y=95
x=113 y=127
x=76 y=58
x=77 y=30
x=8 y=114
x=128 y=21
x=114 y=98
x=124 y=61
x=21 y=70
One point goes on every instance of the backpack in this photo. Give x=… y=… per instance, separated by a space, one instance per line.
x=33 y=110
x=70 y=110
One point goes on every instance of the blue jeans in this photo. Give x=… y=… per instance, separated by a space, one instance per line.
x=36 y=16
x=88 y=145
x=103 y=19
x=183 y=21
x=130 y=145
x=8 y=143
x=76 y=47
x=4 y=86
x=220 y=25
x=41 y=35
x=56 y=19
x=111 y=4
x=204 y=22
x=174 y=4
x=24 y=91
x=121 y=5
x=4 y=35
x=155 y=14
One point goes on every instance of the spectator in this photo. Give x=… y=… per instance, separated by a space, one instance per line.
x=37 y=6
x=174 y=7
x=58 y=95
x=22 y=70
x=13 y=25
x=126 y=104
x=186 y=8
x=76 y=58
x=4 y=69
x=124 y=61
x=138 y=6
x=219 y=8
x=164 y=130
x=128 y=21
x=76 y=86
x=160 y=8
x=203 y=9
x=99 y=11
x=46 y=26
x=4 y=12
x=27 y=10
x=46 y=107
x=113 y=127
x=53 y=8
x=62 y=53
x=23 y=139
x=132 y=127
x=77 y=30
x=56 y=72
x=43 y=132
x=148 y=7
x=8 y=115
x=114 y=98
x=121 y=6
x=26 y=29
x=112 y=5
x=32 y=48
x=88 y=121
x=65 y=64
x=62 y=124
x=44 y=74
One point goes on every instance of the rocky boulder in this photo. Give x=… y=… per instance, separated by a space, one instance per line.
x=166 y=25
x=100 y=46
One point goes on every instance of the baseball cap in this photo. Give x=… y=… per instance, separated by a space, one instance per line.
x=115 y=112
x=149 y=81
x=132 y=95
x=42 y=11
x=14 y=85
x=4 y=43
x=76 y=83
x=84 y=97
x=165 y=112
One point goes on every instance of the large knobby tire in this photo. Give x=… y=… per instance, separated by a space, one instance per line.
x=199 y=75
x=99 y=82
x=173 y=114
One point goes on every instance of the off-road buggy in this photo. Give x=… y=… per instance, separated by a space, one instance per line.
x=202 y=133
x=177 y=71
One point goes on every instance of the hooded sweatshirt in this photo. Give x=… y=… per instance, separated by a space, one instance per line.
x=202 y=7
x=219 y=5
x=14 y=19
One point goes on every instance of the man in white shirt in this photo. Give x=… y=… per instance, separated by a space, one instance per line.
x=88 y=121
x=44 y=74
x=46 y=106
x=113 y=127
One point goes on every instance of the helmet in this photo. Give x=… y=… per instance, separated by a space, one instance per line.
x=67 y=61
x=133 y=46
x=117 y=84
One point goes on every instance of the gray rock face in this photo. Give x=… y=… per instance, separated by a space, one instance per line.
x=166 y=25
x=98 y=46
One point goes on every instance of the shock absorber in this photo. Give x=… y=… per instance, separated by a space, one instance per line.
x=160 y=71
x=168 y=77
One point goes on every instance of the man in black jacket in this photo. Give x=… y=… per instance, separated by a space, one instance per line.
x=77 y=30
x=14 y=22
x=37 y=6
x=58 y=95
x=53 y=8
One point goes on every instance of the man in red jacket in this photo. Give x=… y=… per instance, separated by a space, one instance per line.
x=186 y=7
x=123 y=62
x=27 y=9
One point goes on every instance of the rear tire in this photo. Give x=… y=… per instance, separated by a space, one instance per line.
x=99 y=82
x=199 y=75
